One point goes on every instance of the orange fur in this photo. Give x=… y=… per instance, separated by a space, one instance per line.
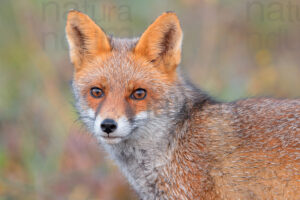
x=85 y=38
x=152 y=44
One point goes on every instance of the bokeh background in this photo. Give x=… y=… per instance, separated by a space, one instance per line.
x=231 y=48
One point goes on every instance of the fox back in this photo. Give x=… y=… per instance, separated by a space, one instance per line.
x=170 y=139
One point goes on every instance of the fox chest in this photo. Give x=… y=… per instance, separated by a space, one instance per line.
x=185 y=180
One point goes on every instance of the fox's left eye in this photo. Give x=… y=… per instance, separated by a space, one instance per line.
x=96 y=92
x=139 y=94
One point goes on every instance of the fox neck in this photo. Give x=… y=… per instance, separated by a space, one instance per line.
x=140 y=160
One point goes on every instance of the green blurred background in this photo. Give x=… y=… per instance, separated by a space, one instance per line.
x=231 y=48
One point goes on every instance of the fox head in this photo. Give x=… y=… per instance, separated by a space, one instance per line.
x=125 y=88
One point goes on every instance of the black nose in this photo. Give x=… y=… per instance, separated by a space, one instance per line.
x=108 y=125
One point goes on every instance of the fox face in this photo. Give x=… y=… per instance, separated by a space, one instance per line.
x=125 y=88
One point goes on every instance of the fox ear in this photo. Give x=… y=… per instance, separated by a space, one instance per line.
x=85 y=38
x=161 y=42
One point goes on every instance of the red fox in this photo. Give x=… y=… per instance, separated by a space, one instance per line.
x=170 y=139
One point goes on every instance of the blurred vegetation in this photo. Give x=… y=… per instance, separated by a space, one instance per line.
x=233 y=49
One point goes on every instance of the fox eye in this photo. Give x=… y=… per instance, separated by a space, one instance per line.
x=138 y=94
x=96 y=92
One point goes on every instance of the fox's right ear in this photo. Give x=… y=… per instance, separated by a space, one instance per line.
x=85 y=38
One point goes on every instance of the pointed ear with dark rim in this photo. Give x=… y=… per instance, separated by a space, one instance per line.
x=86 y=39
x=161 y=42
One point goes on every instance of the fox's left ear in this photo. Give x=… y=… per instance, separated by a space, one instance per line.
x=161 y=42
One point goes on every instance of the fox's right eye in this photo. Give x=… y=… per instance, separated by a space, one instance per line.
x=96 y=92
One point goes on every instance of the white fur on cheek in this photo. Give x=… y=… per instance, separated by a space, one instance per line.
x=142 y=115
x=124 y=127
x=88 y=117
x=91 y=113
x=97 y=125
